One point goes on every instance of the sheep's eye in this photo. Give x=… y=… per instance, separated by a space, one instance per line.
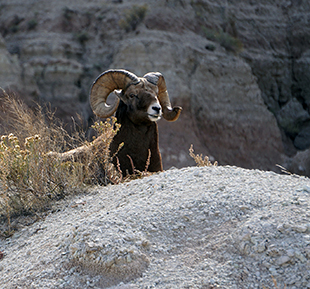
x=132 y=95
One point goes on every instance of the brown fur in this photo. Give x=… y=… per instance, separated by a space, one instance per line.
x=138 y=132
x=141 y=103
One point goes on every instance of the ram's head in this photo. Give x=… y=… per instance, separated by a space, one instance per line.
x=144 y=98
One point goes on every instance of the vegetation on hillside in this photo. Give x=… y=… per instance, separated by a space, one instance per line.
x=30 y=177
x=133 y=17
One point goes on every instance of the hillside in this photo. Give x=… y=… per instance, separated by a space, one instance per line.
x=239 y=69
x=209 y=227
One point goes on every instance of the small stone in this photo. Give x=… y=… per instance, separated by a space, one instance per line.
x=300 y=256
x=273 y=251
x=306 y=189
x=128 y=259
x=273 y=271
x=246 y=237
x=245 y=248
x=283 y=260
x=307 y=251
x=290 y=253
x=244 y=208
x=300 y=228
x=145 y=243
x=72 y=270
x=98 y=259
x=266 y=264
x=281 y=228
x=261 y=247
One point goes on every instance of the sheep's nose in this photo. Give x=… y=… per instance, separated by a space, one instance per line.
x=156 y=108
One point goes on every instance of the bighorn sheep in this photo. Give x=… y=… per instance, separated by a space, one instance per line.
x=140 y=102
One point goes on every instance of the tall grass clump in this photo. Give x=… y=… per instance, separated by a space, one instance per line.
x=30 y=175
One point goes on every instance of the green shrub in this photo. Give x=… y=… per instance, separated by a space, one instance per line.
x=227 y=41
x=68 y=13
x=82 y=37
x=32 y=24
x=133 y=17
x=14 y=28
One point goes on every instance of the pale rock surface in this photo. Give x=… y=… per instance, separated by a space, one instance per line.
x=231 y=115
x=209 y=227
x=10 y=69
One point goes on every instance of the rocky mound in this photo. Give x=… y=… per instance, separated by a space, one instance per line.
x=210 y=227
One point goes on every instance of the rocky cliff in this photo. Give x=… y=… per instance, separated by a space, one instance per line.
x=239 y=69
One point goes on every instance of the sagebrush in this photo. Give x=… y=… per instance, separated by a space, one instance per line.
x=30 y=177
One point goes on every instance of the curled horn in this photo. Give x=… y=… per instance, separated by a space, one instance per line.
x=105 y=83
x=169 y=113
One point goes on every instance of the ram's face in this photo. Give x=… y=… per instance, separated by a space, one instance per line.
x=142 y=103
x=144 y=98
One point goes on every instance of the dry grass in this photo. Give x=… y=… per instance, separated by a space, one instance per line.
x=284 y=170
x=200 y=160
x=30 y=177
x=136 y=173
x=275 y=284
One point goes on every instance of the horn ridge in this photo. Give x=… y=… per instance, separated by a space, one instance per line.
x=104 y=84
x=152 y=77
